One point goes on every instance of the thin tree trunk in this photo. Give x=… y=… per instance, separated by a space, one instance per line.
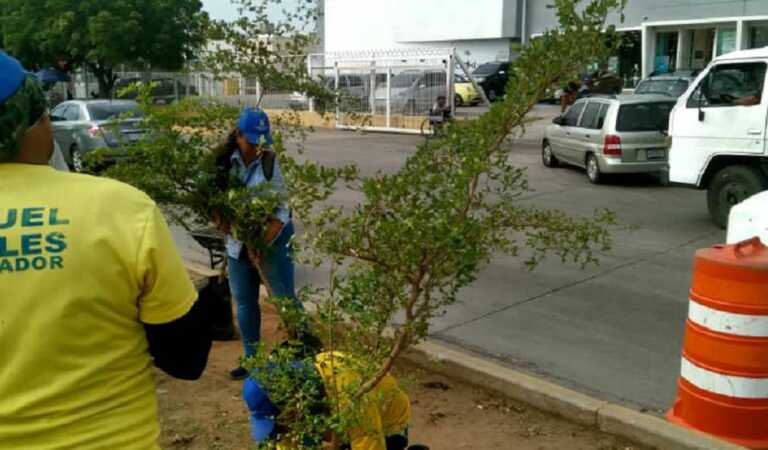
x=105 y=76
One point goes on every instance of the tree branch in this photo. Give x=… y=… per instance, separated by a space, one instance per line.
x=367 y=258
x=403 y=336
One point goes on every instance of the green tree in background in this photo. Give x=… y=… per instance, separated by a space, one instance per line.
x=101 y=34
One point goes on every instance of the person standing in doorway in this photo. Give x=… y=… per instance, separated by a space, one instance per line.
x=253 y=163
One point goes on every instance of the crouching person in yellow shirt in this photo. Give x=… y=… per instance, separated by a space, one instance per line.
x=384 y=413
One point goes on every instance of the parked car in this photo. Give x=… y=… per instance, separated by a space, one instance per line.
x=466 y=94
x=355 y=90
x=624 y=134
x=606 y=83
x=414 y=92
x=719 y=133
x=162 y=93
x=493 y=78
x=672 y=84
x=81 y=126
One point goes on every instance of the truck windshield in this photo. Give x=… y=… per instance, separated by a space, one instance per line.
x=673 y=88
x=487 y=69
x=644 y=116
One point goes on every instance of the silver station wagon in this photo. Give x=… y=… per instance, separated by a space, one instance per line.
x=611 y=135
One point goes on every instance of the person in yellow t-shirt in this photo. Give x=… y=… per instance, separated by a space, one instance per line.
x=384 y=412
x=92 y=292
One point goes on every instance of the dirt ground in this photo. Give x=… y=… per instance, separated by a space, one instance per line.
x=447 y=415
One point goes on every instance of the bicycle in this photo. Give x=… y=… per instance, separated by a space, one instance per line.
x=433 y=125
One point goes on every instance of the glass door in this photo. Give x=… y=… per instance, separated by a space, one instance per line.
x=666 y=52
x=758 y=35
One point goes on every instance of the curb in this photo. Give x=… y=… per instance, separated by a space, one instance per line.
x=574 y=406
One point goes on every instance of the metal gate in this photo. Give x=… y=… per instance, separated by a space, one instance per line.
x=392 y=90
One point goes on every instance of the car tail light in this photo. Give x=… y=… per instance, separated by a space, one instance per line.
x=94 y=131
x=612 y=145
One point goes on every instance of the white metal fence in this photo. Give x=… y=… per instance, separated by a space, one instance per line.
x=391 y=90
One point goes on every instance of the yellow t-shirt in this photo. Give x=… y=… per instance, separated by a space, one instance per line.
x=84 y=262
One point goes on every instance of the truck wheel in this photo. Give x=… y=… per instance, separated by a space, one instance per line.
x=731 y=186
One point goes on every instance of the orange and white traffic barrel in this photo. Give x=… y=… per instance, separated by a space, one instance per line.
x=723 y=386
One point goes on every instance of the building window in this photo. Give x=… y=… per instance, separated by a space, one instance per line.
x=758 y=36
x=726 y=40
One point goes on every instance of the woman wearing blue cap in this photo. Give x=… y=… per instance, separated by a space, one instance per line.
x=253 y=163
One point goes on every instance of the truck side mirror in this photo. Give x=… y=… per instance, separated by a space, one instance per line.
x=558 y=120
x=702 y=114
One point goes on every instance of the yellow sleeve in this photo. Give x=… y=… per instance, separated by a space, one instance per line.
x=167 y=292
x=396 y=410
x=285 y=445
x=369 y=432
x=369 y=435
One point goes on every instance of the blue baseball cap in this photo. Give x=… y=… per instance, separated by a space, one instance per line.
x=254 y=124
x=262 y=410
x=12 y=76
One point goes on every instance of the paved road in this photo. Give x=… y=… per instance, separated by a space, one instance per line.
x=613 y=331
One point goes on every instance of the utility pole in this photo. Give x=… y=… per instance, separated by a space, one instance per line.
x=524 y=23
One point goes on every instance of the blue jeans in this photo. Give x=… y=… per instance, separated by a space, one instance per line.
x=244 y=282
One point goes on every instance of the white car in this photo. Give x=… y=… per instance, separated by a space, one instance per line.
x=718 y=130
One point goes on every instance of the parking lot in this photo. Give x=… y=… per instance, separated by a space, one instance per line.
x=614 y=330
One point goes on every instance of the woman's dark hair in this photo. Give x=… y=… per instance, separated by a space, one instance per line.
x=19 y=113
x=224 y=161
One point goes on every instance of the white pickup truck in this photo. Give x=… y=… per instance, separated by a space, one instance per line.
x=718 y=131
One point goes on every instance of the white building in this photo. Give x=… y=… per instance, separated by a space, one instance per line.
x=480 y=30
x=676 y=34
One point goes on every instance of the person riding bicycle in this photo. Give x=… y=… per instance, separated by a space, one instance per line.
x=440 y=113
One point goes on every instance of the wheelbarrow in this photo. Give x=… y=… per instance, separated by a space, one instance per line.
x=213 y=241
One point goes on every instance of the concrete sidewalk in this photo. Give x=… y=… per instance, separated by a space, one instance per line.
x=576 y=407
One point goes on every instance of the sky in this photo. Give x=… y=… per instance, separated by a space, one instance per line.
x=223 y=9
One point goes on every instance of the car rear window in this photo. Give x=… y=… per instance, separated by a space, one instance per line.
x=405 y=79
x=107 y=111
x=644 y=116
